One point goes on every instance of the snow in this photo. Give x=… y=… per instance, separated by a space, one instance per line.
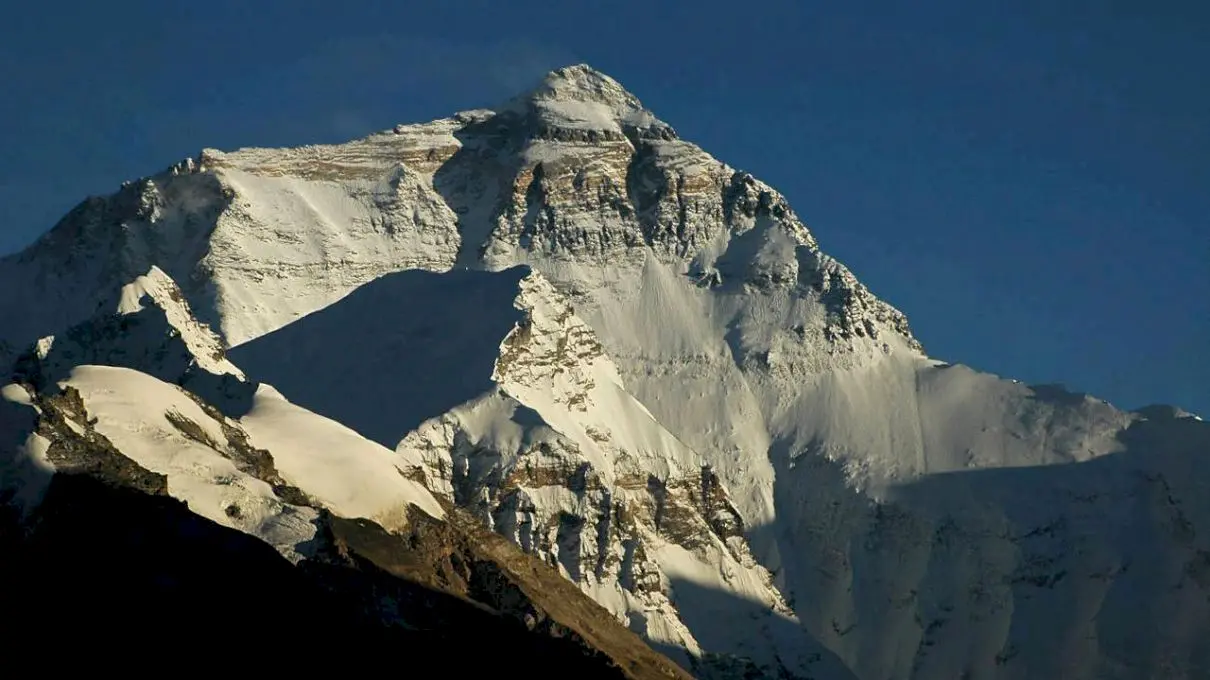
x=131 y=410
x=579 y=97
x=25 y=471
x=16 y=394
x=350 y=475
x=414 y=345
x=559 y=402
x=591 y=383
x=302 y=226
x=155 y=289
x=580 y=114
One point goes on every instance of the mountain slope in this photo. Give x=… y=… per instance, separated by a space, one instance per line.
x=560 y=308
x=502 y=401
x=328 y=536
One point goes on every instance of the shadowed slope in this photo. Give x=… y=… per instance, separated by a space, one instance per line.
x=1094 y=569
x=399 y=350
x=105 y=567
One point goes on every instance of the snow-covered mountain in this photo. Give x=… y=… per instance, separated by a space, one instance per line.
x=633 y=362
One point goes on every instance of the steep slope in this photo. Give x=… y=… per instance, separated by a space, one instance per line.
x=302 y=507
x=502 y=401
x=889 y=495
x=146 y=325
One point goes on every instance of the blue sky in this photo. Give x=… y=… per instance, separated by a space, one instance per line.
x=1028 y=181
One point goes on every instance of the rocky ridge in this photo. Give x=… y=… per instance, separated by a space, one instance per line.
x=168 y=467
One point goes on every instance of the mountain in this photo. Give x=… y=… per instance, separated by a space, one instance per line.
x=559 y=326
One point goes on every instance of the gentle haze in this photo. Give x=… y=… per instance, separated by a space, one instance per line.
x=1030 y=185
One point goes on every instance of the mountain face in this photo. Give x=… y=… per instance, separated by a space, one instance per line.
x=242 y=515
x=557 y=333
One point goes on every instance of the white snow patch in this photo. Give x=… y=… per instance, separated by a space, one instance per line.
x=131 y=407
x=25 y=471
x=349 y=474
x=16 y=394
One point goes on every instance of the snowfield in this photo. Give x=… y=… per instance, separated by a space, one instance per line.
x=347 y=473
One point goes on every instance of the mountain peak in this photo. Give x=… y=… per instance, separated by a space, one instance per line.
x=583 y=100
x=584 y=83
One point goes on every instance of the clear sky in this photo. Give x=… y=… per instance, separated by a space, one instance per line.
x=1029 y=181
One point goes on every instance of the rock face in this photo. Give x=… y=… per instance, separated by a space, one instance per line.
x=634 y=363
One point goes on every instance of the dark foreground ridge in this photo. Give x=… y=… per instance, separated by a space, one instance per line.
x=128 y=576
